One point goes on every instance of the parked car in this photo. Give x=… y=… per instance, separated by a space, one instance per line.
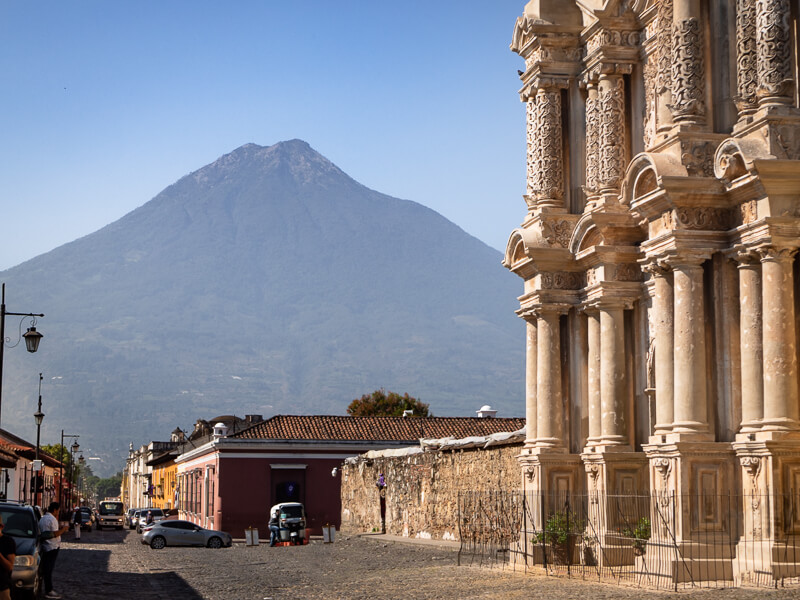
x=20 y=523
x=156 y=513
x=129 y=518
x=184 y=533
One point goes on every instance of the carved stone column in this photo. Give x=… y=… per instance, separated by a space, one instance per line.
x=592 y=141
x=548 y=176
x=691 y=415
x=532 y=146
x=550 y=420
x=663 y=88
x=780 y=357
x=530 y=380
x=746 y=56
x=612 y=374
x=612 y=134
x=774 y=47
x=593 y=384
x=751 y=341
x=664 y=348
x=688 y=65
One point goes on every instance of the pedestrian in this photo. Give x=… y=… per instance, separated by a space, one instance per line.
x=51 y=534
x=8 y=552
x=149 y=518
x=274 y=531
x=76 y=522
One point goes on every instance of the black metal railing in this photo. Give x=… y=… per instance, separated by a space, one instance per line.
x=657 y=539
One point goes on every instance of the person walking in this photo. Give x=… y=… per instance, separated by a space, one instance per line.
x=51 y=534
x=8 y=552
x=76 y=522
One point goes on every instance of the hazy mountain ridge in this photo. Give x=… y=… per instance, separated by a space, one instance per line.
x=266 y=282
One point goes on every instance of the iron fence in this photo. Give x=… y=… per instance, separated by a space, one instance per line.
x=659 y=540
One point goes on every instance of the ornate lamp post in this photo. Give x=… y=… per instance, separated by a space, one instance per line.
x=32 y=337
x=39 y=417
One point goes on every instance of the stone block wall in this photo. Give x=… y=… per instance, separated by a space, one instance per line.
x=422 y=488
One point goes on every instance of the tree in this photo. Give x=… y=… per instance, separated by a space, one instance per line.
x=382 y=404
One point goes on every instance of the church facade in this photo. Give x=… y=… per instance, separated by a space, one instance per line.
x=659 y=254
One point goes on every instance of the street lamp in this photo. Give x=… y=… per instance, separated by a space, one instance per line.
x=39 y=417
x=61 y=467
x=32 y=337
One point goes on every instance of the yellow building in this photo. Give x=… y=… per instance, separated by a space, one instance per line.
x=162 y=488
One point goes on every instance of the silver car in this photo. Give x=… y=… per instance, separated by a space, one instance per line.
x=184 y=533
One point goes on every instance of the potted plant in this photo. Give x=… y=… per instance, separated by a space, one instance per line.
x=640 y=534
x=560 y=532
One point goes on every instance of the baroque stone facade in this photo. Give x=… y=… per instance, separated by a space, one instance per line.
x=659 y=253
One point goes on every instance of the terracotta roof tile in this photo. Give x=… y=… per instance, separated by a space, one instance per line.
x=368 y=429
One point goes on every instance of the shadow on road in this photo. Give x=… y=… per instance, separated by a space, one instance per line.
x=83 y=574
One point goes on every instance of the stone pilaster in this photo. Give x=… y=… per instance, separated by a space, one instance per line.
x=688 y=65
x=530 y=380
x=663 y=87
x=613 y=393
x=592 y=142
x=612 y=135
x=779 y=344
x=751 y=341
x=690 y=379
x=664 y=350
x=774 y=50
x=593 y=371
x=548 y=153
x=550 y=417
x=746 y=57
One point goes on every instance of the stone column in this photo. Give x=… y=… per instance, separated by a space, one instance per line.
x=774 y=50
x=746 y=56
x=690 y=380
x=663 y=87
x=550 y=419
x=532 y=145
x=688 y=67
x=613 y=149
x=612 y=374
x=780 y=357
x=530 y=380
x=592 y=140
x=548 y=180
x=664 y=350
x=751 y=341
x=593 y=384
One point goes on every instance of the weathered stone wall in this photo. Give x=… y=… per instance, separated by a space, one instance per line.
x=422 y=489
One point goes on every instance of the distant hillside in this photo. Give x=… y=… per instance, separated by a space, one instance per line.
x=266 y=282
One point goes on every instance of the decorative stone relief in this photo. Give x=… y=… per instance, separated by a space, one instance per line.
x=627 y=272
x=558 y=233
x=560 y=280
x=591 y=277
x=698 y=158
x=548 y=157
x=752 y=466
x=530 y=474
x=530 y=118
x=746 y=55
x=592 y=139
x=649 y=117
x=667 y=220
x=688 y=72
x=706 y=218
x=613 y=159
x=787 y=139
x=608 y=37
x=664 y=47
x=774 y=46
x=748 y=212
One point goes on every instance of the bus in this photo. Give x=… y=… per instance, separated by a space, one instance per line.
x=110 y=513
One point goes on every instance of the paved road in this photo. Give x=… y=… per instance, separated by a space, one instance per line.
x=115 y=565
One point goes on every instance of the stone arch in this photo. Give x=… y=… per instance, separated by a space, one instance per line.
x=585 y=235
x=646 y=174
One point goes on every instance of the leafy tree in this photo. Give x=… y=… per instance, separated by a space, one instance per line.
x=382 y=404
x=109 y=487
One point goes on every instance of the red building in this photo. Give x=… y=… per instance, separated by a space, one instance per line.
x=231 y=481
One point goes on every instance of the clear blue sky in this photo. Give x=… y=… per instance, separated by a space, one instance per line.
x=104 y=103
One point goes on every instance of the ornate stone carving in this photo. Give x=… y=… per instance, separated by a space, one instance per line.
x=663 y=466
x=667 y=220
x=591 y=277
x=746 y=55
x=748 y=212
x=774 y=46
x=649 y=118
x=530 y=474
x=751 y=464
x=608 y=37
x=613 y=159
x=548 y=174
x=560 y=280
x=664 y=47
x=698 y=158
x=688 y=72
x=627 y=272
x=558 y=233
x=592 y=139
x=705 y=218
x=530 y=118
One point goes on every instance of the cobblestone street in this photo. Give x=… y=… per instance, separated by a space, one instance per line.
x=115 y=565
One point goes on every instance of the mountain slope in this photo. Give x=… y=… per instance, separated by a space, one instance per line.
x=266 y=282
